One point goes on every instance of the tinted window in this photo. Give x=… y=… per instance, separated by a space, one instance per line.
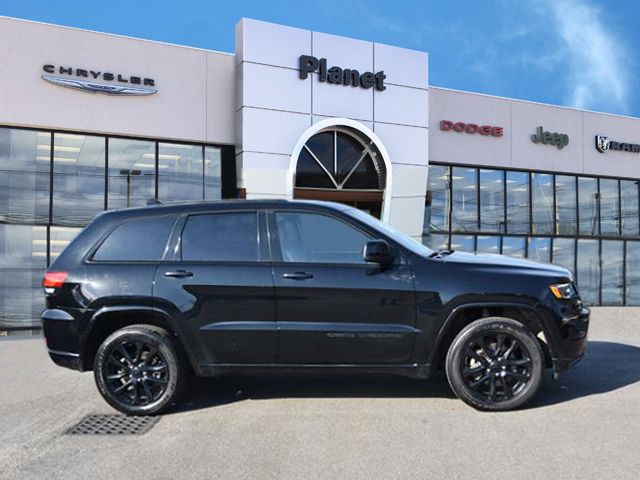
x=138 y=239
x=315 y=238
x=221 y=237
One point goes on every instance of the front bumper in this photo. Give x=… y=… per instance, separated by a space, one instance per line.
x=573 y=340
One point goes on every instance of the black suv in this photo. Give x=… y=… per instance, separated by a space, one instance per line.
x=145 y=296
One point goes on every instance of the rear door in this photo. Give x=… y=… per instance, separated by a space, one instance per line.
x=220 y=287
x=332 y=307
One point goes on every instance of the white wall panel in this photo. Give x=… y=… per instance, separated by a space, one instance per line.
x=402 y=105
x=275 y=88
x=272 y=131
x=408 y=145
x=271 y=44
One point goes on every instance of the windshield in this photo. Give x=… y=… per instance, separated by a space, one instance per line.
x=393 y=233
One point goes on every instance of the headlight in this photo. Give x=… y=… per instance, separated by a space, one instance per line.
x=563 y=291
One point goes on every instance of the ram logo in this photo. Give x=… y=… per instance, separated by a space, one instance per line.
x=602 y=143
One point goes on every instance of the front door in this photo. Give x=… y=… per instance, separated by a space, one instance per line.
x=331 y=306
x=220 y=288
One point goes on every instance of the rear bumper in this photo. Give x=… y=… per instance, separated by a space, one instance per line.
x=573 y=331
x=61 y=335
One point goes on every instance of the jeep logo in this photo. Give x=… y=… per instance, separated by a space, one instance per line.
x=560 y=140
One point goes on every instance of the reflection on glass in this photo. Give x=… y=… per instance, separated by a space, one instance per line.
x=462 y=242
x=609 y=211
x=633 y=273
x=436 y=241
x=23 y=257
x=542 y=199
x=629 y=201
x=60 y=238
x=78 y=178
x=180 y=172
x=132 y=165
x=612 y=272
x=517 y=202
x=212 y=173
x=564 y=253
x=539 y=249
x=588 y=208
x=464 y=205
x=566 y=205
x=588 y=273
x=436 y=214
x=491 y=201
x=513 y=246
x=24 y=176
x=488 y=244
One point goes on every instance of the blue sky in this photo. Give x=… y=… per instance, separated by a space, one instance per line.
x=578 y=53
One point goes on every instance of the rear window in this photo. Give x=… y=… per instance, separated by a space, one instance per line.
x=221 y=237
x=139 y=239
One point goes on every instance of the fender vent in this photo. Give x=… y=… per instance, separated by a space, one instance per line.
x=112 y=424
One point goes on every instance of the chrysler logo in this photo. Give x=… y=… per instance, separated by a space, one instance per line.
x=89 y=81
x=602 y=143
x=98 y=87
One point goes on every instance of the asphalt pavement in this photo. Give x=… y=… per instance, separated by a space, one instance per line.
x=585 y=425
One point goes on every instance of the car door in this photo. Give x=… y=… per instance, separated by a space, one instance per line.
x=219 y=286
x=331 y=306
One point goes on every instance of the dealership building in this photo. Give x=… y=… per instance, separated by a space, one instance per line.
x=91 y=122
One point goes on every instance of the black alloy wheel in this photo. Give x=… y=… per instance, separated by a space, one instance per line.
x=495 y=364
x=138 y=370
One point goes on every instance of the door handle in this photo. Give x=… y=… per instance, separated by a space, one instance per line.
x=298 y=276
x=178 y=274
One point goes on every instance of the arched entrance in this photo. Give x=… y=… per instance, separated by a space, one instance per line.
x=342 y=161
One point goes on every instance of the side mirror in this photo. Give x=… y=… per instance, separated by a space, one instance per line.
x=377 y=251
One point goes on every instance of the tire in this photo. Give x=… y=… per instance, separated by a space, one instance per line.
x=140 y=370
x=495 y=364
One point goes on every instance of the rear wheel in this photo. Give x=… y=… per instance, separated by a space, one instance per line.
x=139 y=370
x=495 y=364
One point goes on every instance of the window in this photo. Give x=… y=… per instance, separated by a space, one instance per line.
x=539 y=249
x=609 y=207
x=317 y=238
x=564 y=253
x=566 y=205
x=491 y=200
x=212 y=173
x=436 y=213
x=60 y=237
x=466 y=243
x=514 y=246
x=132 y=167
x=221 y=237
x=629 y=202
x=24 y=176
x=612 y=272
x=632 y=269
x=588 y=206
x=488 y=244
x=137 y=240
x=78 y=178
x=517 y=202
x=542 y=200
x=464 y=203
x=588 y=273
x=436 y=241
x=180 y=172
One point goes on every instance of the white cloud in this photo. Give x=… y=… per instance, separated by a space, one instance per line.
x=595 y=58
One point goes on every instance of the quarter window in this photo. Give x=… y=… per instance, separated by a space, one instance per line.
x=221 y=237
x=317 y=238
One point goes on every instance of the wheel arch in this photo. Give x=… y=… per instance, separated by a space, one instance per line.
x=462 y=315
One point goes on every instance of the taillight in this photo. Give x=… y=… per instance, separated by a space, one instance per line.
x=54 y=279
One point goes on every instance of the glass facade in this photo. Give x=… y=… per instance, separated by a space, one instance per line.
x=587 y=224
x=53 y=183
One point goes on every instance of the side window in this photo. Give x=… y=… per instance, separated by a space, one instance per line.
x=137 y=239
x=220 y=237
x=316 y=238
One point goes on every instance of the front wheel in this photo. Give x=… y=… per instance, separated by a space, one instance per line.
x=495 y=364
x=139 y=370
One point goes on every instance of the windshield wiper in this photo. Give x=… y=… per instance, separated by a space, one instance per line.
x=441 y=253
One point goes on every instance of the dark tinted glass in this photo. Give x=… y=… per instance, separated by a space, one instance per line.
x=633 y=273
x=321 y=145
x=310 y=174
x=564 y=253
x=566 y=205
x=517 y=202
x=542 y=197
x=316 y=238
x=609 y=211
x=588 y=274
x=629 y=201
x=612 y=272
x=492 y=200
x=464 y=206
x=78 y=178
x=221 y=237
x=137 y=239
x=348 y=154
x=588 y=208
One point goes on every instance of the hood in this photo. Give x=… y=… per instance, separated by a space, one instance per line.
x=494 y=262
